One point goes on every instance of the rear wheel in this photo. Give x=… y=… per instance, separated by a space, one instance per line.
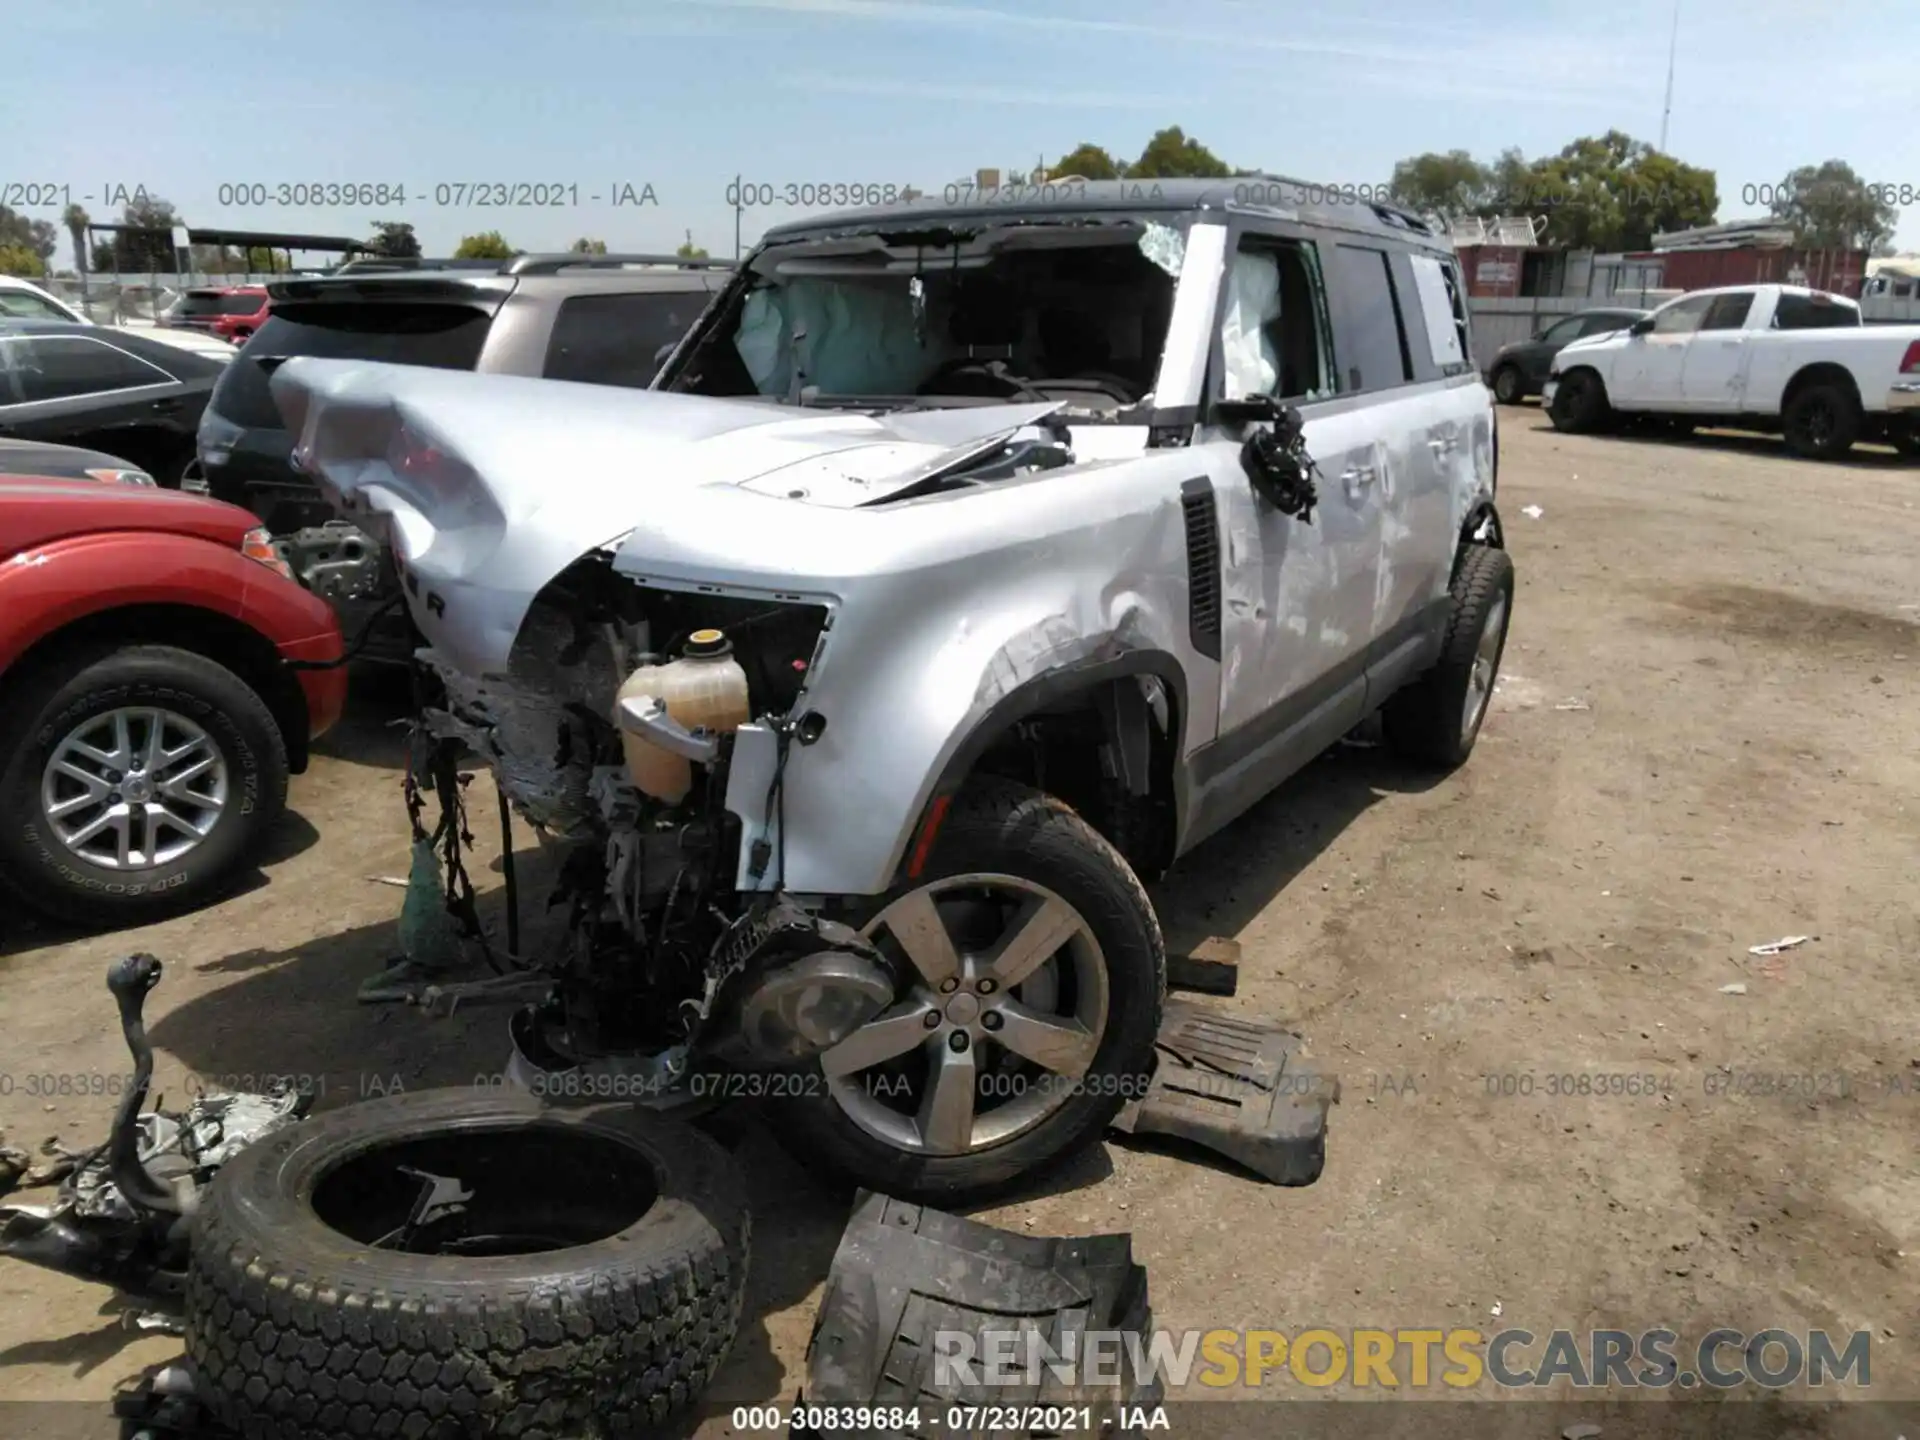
x=1822 y=421
x=1031 y=975
x=1508 y=385
x=1436 y=720
x=136 y=782
x=1579 y=404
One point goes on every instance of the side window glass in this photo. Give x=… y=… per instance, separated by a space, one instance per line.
x=58 y=368
x=1369 y=332
x=1444 y=311
x=1682 y=317
x=1566 y=330
x=1801 y=312
x=615 y=339
x=1274 y=339
x=1728 y=312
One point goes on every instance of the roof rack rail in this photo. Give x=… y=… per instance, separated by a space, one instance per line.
x=574 y=260
x=377 y=263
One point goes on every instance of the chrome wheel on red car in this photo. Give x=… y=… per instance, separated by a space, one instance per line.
x=139 y=780
x=134 y=788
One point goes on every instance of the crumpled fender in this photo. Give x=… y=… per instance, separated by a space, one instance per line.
x=911 y=683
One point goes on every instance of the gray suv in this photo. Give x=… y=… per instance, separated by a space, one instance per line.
x=601 y=319
x=966 y=565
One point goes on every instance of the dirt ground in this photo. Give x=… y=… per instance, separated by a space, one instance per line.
x=1705 y=738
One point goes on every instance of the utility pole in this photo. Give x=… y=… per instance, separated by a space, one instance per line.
x=1673 y=48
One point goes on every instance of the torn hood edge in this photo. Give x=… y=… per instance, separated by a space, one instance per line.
x=488 y=486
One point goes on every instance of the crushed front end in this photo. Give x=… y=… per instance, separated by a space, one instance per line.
x=644 y=732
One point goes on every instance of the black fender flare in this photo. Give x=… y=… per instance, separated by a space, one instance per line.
x=1028 y=698
x=1481 y=527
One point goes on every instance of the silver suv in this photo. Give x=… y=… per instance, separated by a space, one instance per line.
x=967 y=565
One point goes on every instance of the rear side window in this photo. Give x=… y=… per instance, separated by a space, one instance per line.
x=1370 y=337
x=614 y=339
x=1444 y=308
x=442 y=337
x=1803 y=312
x=1606 y=324
x=63 y=367
x=1728 y=312
x=241 y=304
x=25 y=305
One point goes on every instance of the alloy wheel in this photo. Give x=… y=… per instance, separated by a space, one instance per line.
x=1001 y=1014
x=1486 y=657
x=134 y=788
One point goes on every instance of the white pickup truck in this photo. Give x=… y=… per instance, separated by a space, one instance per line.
x=1775 y=358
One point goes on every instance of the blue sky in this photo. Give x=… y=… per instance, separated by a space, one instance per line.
x=684 y=95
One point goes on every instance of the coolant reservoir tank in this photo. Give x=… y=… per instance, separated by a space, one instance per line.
x=705 y=689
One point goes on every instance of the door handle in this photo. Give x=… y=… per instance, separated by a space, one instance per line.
x=1360 y=475
x=165 y=407
x=1443 y=444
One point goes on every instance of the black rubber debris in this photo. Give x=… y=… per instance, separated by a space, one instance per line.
x=1212 y=968
x=910 y=1284
x=1237 y=1087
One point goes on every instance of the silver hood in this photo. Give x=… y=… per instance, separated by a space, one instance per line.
x=488 y=486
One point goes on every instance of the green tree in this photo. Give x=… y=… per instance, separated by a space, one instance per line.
x=36 y=237
x=1453 y=183
x=149 y=245
x=584 y=246
x=489 y=245
x=1172 y=154
x=1832 y=208
x=395 y=240
x=1612 y=192
x=20 y=260
x=102 y=257
x=1087 y=161
x=688 y=250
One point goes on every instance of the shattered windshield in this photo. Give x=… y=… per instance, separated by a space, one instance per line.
x=1075 y=312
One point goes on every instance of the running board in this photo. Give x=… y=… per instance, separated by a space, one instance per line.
x=1238 y=1087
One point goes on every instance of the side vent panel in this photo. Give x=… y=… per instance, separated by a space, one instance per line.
x=1203 y=566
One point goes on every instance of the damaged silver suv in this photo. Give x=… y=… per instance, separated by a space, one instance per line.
x=964 y=567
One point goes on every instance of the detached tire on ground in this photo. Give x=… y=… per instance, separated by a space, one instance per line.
x=1435 y=721
x=592 y=1283
x=135 y=781
x=1053 y=951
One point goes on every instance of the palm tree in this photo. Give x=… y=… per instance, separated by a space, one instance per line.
x=76 y=219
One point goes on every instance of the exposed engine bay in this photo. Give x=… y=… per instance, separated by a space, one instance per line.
x=614 y=733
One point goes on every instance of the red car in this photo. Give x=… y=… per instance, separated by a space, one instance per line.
x=161 y=675
x=233 y=312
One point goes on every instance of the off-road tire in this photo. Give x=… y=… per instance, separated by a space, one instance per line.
x=40 y=707
x=297 y=1332
x=1509 y=386
x=1424 y=721
x=1798 y=422
x=996 y=825
x=1580 y=404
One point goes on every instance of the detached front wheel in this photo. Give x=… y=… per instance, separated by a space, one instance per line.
x=466 y=1262
x=1031 y=977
